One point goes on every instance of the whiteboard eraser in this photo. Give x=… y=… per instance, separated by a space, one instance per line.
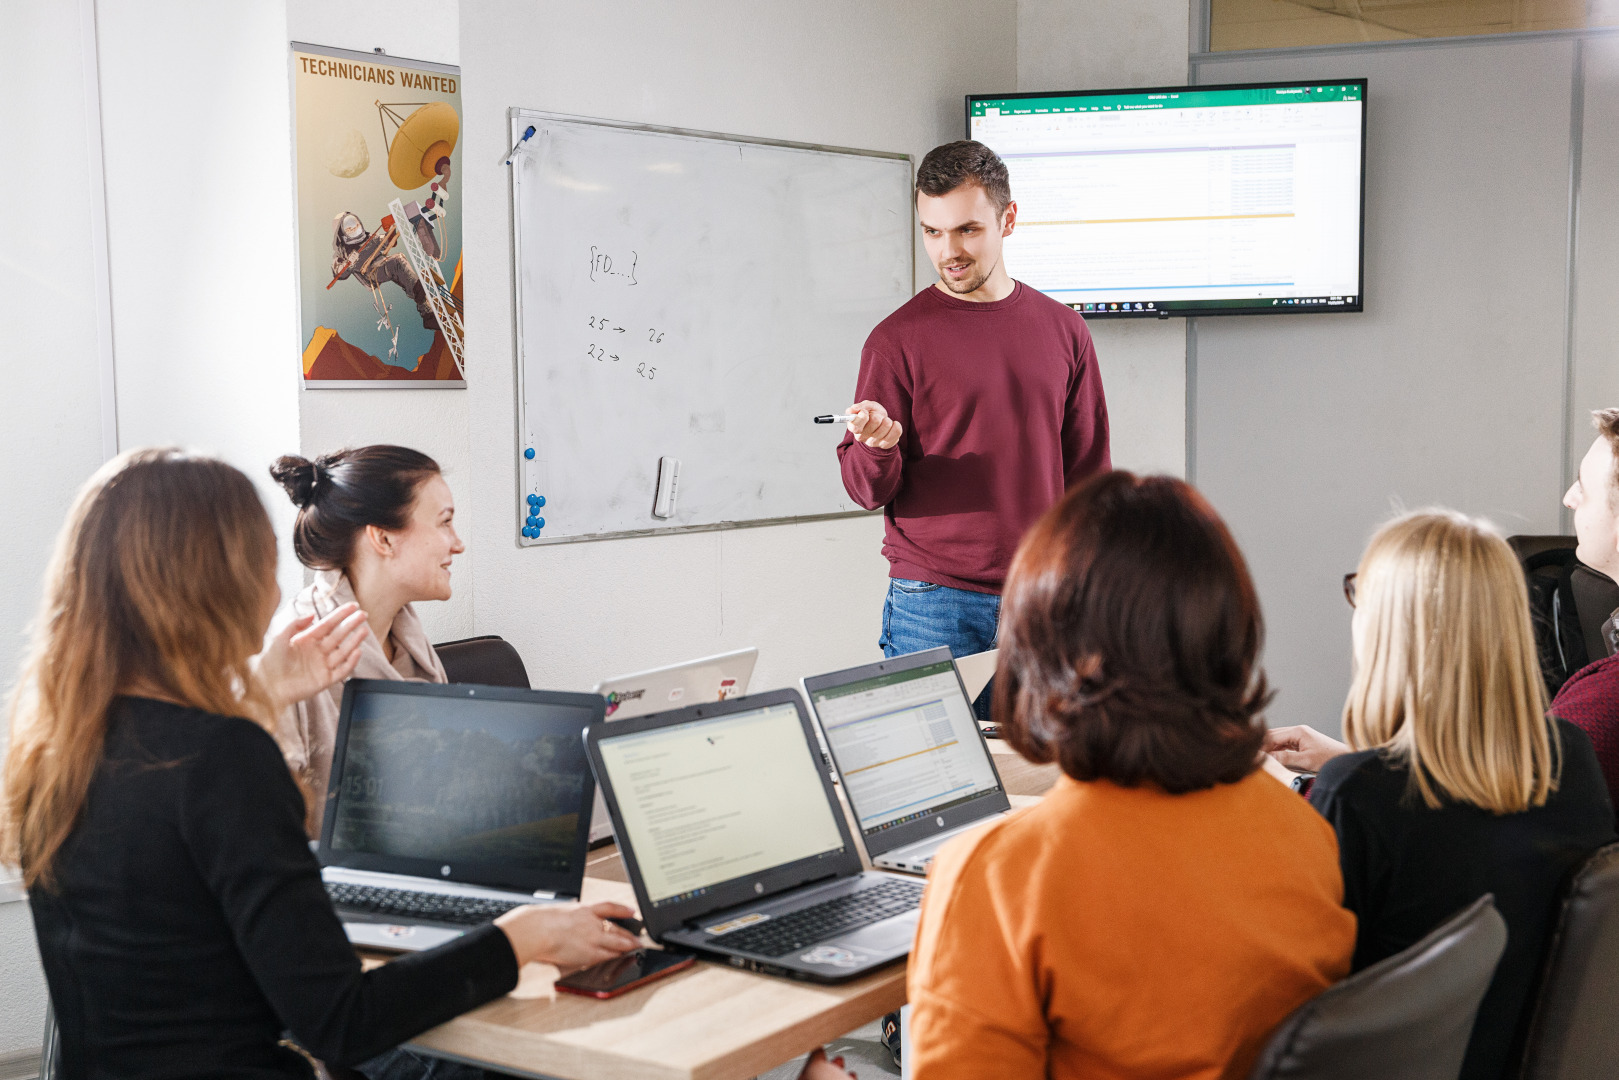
x=663 y=505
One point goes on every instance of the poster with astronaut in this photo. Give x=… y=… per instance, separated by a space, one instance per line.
x=377 y=145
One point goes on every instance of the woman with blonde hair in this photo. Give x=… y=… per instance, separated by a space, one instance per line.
x=1454 y=782
x=179 y=912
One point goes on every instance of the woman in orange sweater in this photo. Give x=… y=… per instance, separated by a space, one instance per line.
x=1167 y=904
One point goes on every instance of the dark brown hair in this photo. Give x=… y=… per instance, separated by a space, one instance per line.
x=1606 y=421
x=949 y=166
x=1130 y=632
x=163 y=578
x=339 y=494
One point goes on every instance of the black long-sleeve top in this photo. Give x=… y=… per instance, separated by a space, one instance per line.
x=188 y=927
x=1407 y=868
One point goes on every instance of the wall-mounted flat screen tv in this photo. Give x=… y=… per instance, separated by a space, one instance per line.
x=1192 y=200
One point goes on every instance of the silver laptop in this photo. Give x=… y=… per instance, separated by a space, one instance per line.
x=737 y=846
x=450 y=805
x=711 y=678
x=913 y=764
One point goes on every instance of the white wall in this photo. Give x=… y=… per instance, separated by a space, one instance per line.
x=195 y=108
x=50 y=434
x=1065 y=45
x=1596 y=346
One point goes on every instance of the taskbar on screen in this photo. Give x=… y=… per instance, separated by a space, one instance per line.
x=1150 y=309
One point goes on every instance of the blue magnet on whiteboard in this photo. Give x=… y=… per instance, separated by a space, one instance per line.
x=527 y=533
x=539 y=523
x=529 y=453
x=532 y=522
x=537 y=500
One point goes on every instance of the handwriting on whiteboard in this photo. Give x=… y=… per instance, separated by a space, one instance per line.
x=604 y=268
x=608 y=327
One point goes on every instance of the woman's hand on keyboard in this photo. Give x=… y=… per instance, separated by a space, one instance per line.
x=567 y=935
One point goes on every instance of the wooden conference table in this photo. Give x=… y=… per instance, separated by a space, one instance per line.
x=710 y=1022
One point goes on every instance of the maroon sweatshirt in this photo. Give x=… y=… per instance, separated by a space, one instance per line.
x=1003 y=411
x=1590 y=701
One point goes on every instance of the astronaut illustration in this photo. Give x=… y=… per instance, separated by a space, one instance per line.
x=370 y=258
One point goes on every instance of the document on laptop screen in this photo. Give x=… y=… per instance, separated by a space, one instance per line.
x=906 y=745
x=712 y=800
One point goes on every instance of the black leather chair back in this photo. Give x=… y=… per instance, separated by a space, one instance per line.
x=489 y=660
x=1595 y=597
x=1407 y=1017
x=1574 y=1032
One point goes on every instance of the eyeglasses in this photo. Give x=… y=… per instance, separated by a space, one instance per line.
x=1349 y=587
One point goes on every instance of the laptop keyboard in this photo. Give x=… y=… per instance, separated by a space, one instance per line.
x=800 y=929
x=417 y=906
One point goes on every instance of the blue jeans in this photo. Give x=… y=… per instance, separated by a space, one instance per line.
x=921 y=615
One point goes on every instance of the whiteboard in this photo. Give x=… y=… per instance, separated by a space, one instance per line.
x=694 y=296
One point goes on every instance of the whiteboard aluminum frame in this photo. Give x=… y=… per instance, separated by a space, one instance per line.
x=519 y=118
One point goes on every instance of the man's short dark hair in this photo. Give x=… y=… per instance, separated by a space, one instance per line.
x=949 y=166
x=1130 y=636
x=1606 y=421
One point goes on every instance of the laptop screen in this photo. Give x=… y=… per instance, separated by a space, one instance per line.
x=462 y=780
x=906 y=745
x=714 y=799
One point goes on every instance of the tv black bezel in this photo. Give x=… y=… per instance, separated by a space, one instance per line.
x=1208 y=307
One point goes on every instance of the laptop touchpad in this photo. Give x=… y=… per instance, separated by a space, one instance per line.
x=886 y=936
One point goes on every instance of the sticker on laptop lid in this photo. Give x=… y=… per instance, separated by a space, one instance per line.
x=727 y=689
x=737 y=923
x=619 y=697
x=677 y=693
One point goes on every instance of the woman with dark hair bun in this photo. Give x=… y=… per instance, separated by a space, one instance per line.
x=1167 y=904
x=377 y=524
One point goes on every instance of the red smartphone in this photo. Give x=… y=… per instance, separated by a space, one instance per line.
x=611 y=978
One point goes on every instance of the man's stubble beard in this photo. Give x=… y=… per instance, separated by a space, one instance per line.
x=971 y=285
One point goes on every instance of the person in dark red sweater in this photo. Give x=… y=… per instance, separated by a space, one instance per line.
x=1590 y=698
x=979 y=404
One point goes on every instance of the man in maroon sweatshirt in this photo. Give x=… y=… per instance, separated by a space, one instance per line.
x=1590 y=698
x=979 y=404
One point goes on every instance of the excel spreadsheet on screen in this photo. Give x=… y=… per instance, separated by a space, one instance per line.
x=906 y=745
x=1192 y=200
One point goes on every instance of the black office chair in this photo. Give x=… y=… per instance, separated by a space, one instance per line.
x=489 y=660
x=1407 y=1017
x=1568 y=603
x=1572 y=1034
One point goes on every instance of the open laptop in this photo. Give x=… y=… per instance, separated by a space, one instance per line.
x=711 y=678
x=737 y=846
x=452 y=804
x=910 y=756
